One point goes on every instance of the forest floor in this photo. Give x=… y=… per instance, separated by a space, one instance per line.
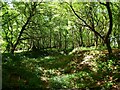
x=79 y=69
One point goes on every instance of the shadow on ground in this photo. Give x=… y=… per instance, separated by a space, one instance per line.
x=53 y=70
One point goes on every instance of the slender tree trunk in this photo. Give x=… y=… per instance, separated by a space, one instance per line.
x=118 y=39
x=96 y=40
x=88 y=39
x=60 y=41
x=50 y=37
x=72 y=38
x=54 y=41
x=65 y=42
x=81 y=38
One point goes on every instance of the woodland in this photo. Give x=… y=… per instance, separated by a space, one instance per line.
x=60 y=45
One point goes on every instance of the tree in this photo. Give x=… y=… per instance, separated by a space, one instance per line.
x=39 y=26
x=10 y=37
x=106 y=38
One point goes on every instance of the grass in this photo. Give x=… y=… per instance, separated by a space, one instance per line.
x=81 y=69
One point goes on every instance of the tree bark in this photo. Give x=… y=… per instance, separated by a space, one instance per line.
x=107 y=42
x=107 y=38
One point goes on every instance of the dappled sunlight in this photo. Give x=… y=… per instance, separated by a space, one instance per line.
x=87 y=59
x=71 y=80
x=83 y=69
x=49 y=57
x=60 y=45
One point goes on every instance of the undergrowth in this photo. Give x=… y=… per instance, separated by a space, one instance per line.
x=83 y=69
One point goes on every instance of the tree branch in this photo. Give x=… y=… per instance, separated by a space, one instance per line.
x=91 y=28
x=9 y=19
x=32 y=13
x=101 y=2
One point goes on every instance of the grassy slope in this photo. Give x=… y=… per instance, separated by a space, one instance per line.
x=79 y=69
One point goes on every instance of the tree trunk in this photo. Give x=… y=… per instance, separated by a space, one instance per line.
x=107 y=38
x=107 y=42
x=118 y=41
x=72 y=39
x=12 y=50
x=96 y=40
x=81 y=38
x=65 y=42
x=50 y=38
x=60 y=39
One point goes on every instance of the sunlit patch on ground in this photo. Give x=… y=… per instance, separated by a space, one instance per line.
x=81 y=69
